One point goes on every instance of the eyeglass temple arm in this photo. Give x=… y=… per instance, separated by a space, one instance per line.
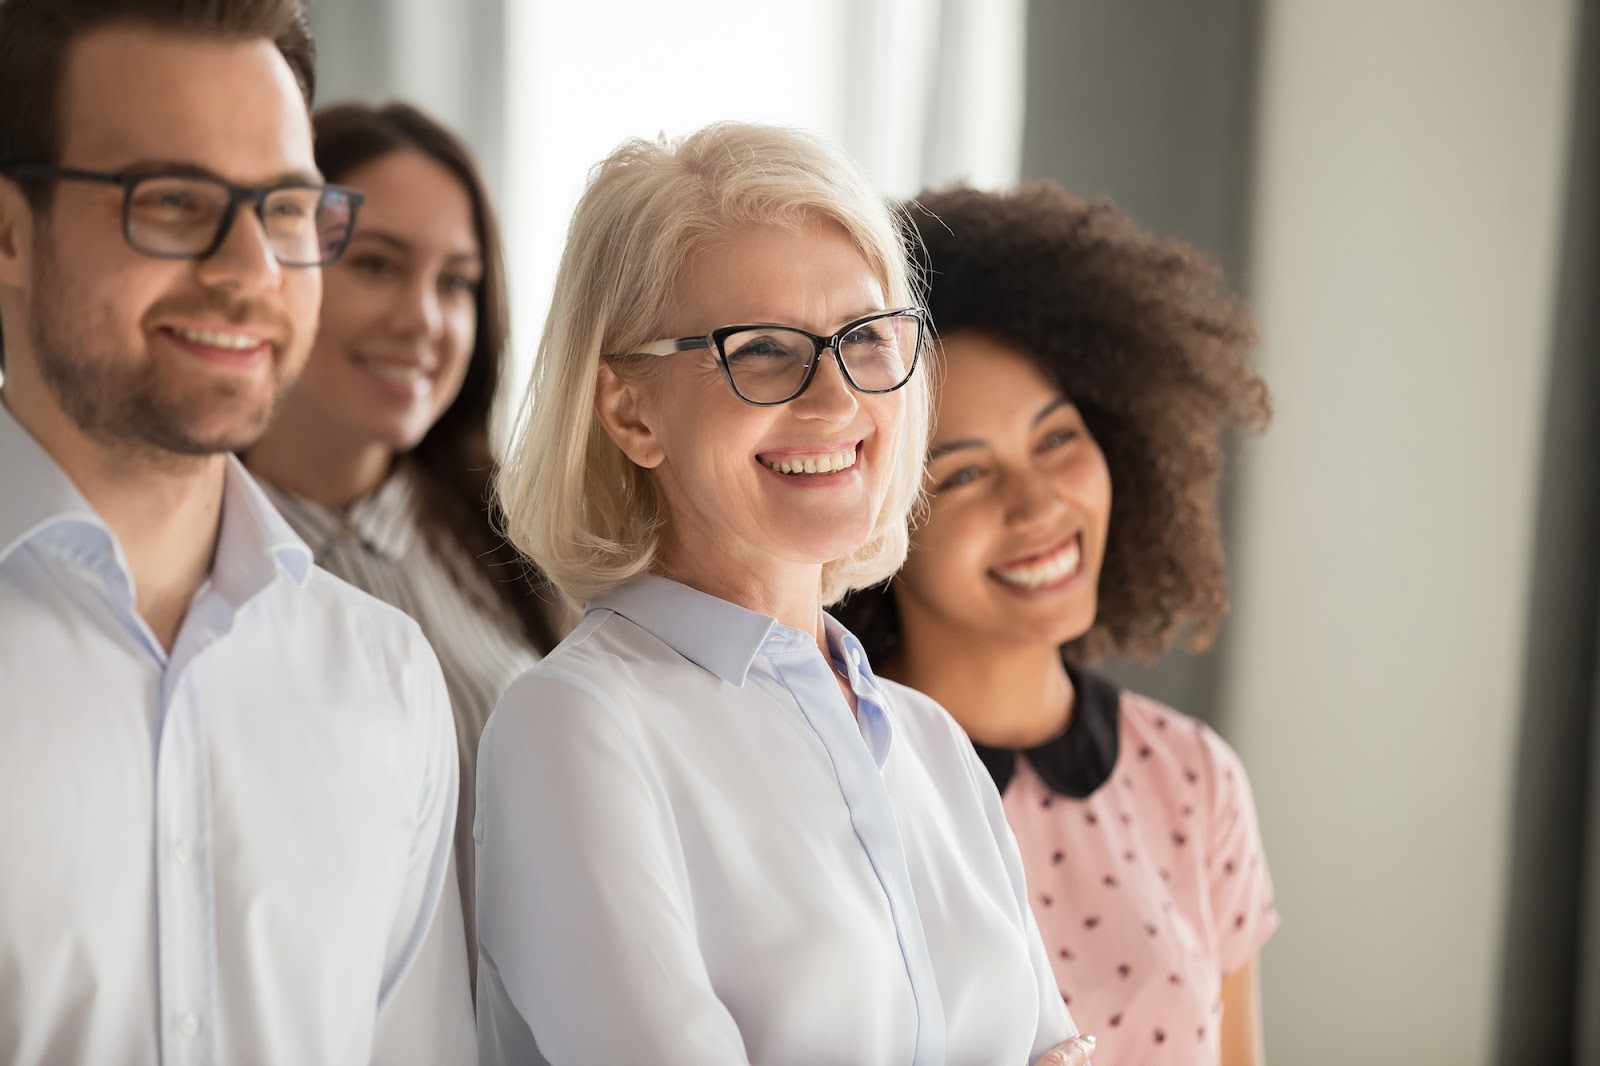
x=682 y=344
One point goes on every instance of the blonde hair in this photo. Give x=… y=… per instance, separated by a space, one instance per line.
x=574 y=503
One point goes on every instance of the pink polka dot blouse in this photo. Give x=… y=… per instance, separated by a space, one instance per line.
x=1144 y=863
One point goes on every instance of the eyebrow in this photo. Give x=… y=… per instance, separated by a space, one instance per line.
x=944 y=448
x=400 y=244
x=179 y=168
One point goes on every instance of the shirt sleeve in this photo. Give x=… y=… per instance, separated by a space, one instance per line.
x=424 y=1005
x=1055 y=1021
x=1242 y=908
x=588 y=950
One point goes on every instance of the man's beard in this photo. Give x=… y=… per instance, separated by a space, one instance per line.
x=123 y=399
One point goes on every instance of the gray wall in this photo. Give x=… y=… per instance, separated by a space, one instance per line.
x=445 y=57
x=1407 y=224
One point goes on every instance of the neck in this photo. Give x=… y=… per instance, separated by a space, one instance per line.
x=790 y=593
x=164 y=510
x=316 y=462
x=1003 y=695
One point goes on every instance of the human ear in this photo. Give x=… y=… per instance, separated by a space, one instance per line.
x=617 y=403
x=16 y=235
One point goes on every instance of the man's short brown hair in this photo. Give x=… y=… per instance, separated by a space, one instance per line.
x=35 y=36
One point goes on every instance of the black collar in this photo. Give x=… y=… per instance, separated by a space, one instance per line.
x=1081 y=758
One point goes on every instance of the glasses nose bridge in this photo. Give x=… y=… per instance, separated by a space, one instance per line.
x=257 y=199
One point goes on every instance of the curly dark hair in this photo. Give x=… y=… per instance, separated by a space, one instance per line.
x=1149 y=341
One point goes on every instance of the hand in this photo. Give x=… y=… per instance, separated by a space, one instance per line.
x=1074 y=1052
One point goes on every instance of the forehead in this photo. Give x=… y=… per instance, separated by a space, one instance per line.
x=987 y=380
x=411 y=195
x=132 y=94
x=810 y=275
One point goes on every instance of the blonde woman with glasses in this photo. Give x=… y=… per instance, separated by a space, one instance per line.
x=707 y=832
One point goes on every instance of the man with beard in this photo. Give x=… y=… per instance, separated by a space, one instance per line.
x=227 y=780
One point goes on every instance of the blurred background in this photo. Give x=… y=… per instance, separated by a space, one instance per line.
x=1405 y=190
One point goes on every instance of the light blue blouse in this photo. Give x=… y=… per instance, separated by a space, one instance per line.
x=691 y=853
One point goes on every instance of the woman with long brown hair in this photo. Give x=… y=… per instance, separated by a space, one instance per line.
x=380 y=456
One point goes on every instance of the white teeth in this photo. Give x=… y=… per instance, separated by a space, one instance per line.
x=397 y=372
x=237 y=342
x=1049 y=569
x=815 y=464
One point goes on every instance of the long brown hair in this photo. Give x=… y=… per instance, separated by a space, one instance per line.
x=454 y=461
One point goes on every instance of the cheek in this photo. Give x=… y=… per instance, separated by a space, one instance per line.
x=1096 y=491
x=947 y=549
x=460 y=335
x=888 y=414
x=302 y=303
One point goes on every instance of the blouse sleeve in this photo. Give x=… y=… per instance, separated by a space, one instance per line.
x=588 y=944
x=1240 y=887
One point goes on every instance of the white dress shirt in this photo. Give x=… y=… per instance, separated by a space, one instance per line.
x=236 y=853
x=379 y=546
x=690 y=853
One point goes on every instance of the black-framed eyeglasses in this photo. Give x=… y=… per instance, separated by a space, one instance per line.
x=767 y=364
x=187 y=216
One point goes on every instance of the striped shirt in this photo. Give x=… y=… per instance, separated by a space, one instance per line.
x=378 y=545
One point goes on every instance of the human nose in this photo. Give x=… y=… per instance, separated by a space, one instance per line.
x=1031 y=497
x=829 y=396
x=244 y=260
x=417 y=310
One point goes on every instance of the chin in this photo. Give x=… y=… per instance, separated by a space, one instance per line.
x=827 y=546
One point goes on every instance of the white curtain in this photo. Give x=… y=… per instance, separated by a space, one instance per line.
x=919 y=91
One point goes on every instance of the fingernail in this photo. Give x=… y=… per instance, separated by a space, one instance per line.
x=1085 y=1041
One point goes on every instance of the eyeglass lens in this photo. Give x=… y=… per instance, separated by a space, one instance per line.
x=769 y=364
x=179 y=216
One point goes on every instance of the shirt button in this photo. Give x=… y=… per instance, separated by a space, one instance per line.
x=188 y=1025
x=183 y=853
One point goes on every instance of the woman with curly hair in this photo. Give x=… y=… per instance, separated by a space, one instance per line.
x=1090 y=374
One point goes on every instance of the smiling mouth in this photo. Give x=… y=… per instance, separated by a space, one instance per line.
x=1043 y=571
x=230 y=342
x=831 y=463
x=410 y=377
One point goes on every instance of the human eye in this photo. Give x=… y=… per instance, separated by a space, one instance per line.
x=956 y=479
x=164 y=200
x=459 y=284
x=757 y=348
x=373 y=265
x=872 y=337
x=1058 y=438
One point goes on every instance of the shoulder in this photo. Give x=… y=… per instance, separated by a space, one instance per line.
x=1181 y=747
x=1152 y=722
x=334 y=623
x=601 y=674
x=937 y=738
x=922 y=714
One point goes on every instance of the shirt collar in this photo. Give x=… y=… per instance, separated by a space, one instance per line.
x=1080 y=759
x=252 y=537
x=712 y=633
x=385 y=522
x=38 y=493
x=254 y=533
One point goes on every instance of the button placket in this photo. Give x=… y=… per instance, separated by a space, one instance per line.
x=184 y=908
